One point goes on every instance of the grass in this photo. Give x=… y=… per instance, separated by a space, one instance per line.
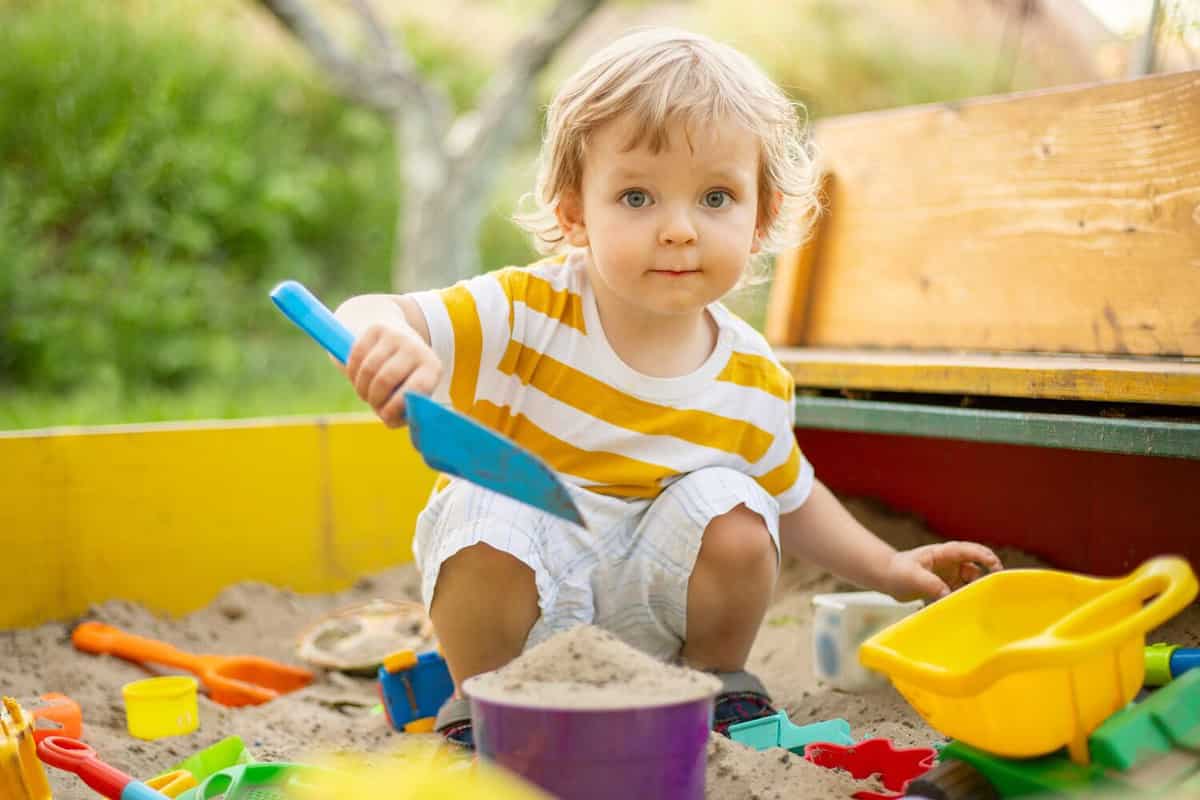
x=272 y=378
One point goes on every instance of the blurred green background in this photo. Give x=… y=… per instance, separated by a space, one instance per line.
x=162 y=165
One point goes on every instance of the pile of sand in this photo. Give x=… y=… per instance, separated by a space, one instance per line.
x=587 y=667
x=735 y=770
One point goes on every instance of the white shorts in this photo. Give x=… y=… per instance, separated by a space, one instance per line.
x=627 y=572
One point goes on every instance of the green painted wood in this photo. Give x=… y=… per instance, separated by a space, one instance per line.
x=1069 y=431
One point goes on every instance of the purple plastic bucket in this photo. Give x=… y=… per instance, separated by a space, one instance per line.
x=655 y=752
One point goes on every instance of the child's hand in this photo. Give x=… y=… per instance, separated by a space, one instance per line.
x=388 y=361
x=935 y=570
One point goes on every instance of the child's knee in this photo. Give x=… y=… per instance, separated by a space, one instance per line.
x=482 y=561
x=738 y=542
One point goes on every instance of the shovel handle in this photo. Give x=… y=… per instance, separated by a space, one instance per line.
x=300 y=306
x=73 y=755
x=96 y=637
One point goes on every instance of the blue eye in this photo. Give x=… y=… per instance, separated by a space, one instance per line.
x=717 y=198
x=636 y=198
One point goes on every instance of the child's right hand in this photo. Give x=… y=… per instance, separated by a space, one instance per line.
x=387 y=361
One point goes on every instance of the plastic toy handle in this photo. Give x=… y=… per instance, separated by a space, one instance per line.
x=96 y=637
x=304 y=309
x=136 y=790
x=73 y=755
x=1168 y=579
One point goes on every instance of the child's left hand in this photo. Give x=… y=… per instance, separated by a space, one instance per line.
x=935 y=570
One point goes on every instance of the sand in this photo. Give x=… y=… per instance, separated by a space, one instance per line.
x=334 y=713
x=589 y=668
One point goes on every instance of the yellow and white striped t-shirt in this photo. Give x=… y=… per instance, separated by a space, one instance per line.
x=525 y=354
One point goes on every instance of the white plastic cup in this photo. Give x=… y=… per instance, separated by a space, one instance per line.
x=841 y=623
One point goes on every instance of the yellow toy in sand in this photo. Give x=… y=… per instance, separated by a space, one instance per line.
x=418 y=771
x=1025 y=661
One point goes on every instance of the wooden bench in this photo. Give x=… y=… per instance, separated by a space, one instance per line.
x=996 y=323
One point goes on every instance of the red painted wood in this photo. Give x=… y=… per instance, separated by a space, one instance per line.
x=1097 y=513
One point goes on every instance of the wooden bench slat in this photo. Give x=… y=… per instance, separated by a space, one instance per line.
x=1126 y=380
x=1065 y=220
x=1073 y=432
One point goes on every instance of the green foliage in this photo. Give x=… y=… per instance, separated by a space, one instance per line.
x=458 y=74
x=501 y=242
x=154 y=187
x=154 y=183
x=840 y=57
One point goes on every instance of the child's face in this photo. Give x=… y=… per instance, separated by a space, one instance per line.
x=668 y=232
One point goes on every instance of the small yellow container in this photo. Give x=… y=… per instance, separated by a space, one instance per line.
x=1023 y=662
x=160 y=707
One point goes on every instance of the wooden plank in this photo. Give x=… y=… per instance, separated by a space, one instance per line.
x=1127 y=380
x=1073 y=432
x=1054 y=221
x=168 y=515
x=787 y=305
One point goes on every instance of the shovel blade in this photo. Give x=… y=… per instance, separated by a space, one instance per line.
x=455 y=444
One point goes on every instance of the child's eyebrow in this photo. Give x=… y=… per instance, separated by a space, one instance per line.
x=729 y=174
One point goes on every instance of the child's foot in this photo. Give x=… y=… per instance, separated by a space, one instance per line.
x=742 y=698
x=454 y=722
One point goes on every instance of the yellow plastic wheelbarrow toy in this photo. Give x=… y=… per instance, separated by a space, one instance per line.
x=1023 y=662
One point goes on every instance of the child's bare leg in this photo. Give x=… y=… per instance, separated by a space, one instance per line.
x=483 y=607
x=728 y=591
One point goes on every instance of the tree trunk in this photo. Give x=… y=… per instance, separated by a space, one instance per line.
x=447 y=168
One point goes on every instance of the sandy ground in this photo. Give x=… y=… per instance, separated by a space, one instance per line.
x=334 y=713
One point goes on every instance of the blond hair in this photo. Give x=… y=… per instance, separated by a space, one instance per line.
x=662 y=76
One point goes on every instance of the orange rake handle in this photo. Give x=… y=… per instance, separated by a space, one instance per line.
x=231 y=680
x=96 y=637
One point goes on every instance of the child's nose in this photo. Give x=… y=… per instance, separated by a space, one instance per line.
x=677 y=228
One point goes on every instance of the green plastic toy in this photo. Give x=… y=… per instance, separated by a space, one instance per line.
x=259 y=781
x=229 y=752
x=1144 y=750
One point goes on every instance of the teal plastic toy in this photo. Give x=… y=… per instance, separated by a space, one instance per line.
x=448 y=441
x=778 y=731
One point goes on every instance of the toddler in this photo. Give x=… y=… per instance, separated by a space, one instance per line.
x=669 y=162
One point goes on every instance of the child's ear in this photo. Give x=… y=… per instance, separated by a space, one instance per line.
x=765 y=221
x=570 y=218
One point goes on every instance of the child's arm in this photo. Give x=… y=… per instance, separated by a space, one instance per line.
x=824 y=532
x=391 y=353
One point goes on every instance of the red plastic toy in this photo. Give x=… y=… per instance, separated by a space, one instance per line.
x=870 y=756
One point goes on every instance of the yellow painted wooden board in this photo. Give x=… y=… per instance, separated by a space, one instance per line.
x=1131 y=380
x=1058 y=221
x=168 y=515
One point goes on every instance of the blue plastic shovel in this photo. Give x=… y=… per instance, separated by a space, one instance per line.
x=448 y=441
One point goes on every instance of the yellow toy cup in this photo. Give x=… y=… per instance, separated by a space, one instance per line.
x=1025 y=661
x=160 y=707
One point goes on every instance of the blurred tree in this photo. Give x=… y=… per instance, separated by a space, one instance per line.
x=448 y=164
